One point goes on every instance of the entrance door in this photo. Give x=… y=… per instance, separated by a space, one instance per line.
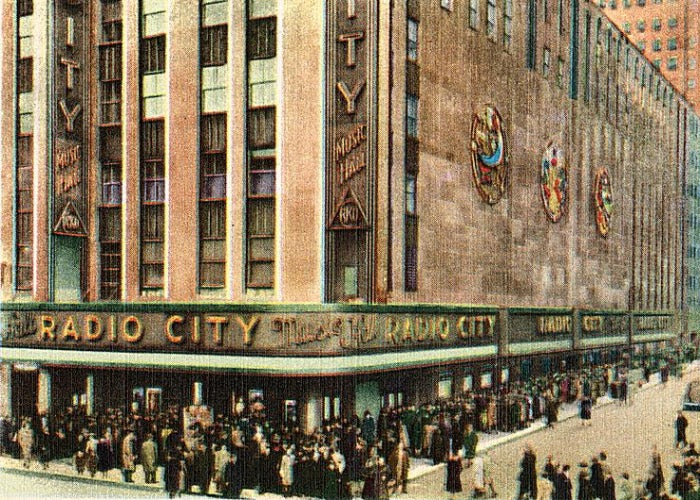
x=25 y=392
x=67 y=268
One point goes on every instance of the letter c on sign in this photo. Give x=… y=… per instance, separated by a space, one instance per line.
x=172 y=337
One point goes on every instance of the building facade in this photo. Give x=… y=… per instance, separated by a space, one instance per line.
x=667 y=32
x=419 y=199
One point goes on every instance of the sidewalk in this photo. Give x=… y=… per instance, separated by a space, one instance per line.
x=64 y=468
x=423 y=466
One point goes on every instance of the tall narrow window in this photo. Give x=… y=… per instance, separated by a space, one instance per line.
x=261 y=48
x=410 y=257
x=412 y=115
x=153 y=103
x=213 y=132
x=110 y=147
x=531 y=40
x=573 y=51
x=587 y=60
x=412 y=40
x=474 y=14
x=507 y=24
x=560 y=12
x=546 y=61
x=491 y=19
x=24 y=271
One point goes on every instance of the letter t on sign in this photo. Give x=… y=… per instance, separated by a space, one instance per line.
x=350 y=38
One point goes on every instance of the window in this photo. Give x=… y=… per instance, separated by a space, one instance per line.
x=656 y=45
x=627 y=27
x=507 y=24
x=214 y=89
x=152 y=203
x=261 y=48
x=641 y=25
x=692 y=41
x=672 y=22
x=412 y=40
x=214 y=45
x=627 y=3
x=672 y=63
x=560 y=12
x=657 y=63
x=656 y=24
x=446 y=4
x=691 y=83
x=692 y=63
x=642 y=45
x=573 y=52
x=491 y=19
x=560 y=72
x=545 y=61
x=412 y=115
x=474 y=14
x=214 y=12
x=672 y=44
x=545 y=11
x=154 y=19
x=262 y=82
x=531 y=40
x=641 y=3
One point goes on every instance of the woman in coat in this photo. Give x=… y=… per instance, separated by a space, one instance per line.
x=287 y=471
x=172 y=474
x=453 y=483
x=439 y=447
x=25 y=440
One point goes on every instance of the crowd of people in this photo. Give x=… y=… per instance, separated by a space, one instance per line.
x=247 y=450
x=595 y=479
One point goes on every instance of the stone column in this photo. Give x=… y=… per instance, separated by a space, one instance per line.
x=5 y=389
x=197 y=393
x=90 y=393
x=43 y=403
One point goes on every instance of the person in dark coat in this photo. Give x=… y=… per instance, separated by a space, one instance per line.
x=232 y=478
x=368 y=428
x=172 y=475
x=681 y=426
x=597 y=479
x=562 y=484
x=585 y=492
x=471 y=439
x=453 y=484
x=608 y=487
x=528 y=474
x=439 y=450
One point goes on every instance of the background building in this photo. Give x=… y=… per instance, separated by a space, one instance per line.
x=417 y=199
x=667 y=32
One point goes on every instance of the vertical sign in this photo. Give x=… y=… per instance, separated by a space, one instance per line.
x=70 y=50
x=351 y=147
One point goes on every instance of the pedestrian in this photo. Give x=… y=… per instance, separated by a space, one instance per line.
x=626 y=488
x=25 y=440
x=172 y=475
x=286 y=471
x=439 y=445
x=597 y=478
x=562 y=484
x=368 y=428
x=129 y=456
x=471 y=439
x=149 y=458
x=399 y=465
x=586 y=406
x=585 y=492
x=232 y=478
x=681 y=426
x=608 y=487
x=453 y=483
x=528 y=474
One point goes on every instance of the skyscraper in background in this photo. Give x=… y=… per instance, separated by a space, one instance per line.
x=667 y=32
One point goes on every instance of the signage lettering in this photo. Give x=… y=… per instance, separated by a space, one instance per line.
x=351 y=38
x=592 y=323
x=350 y=96
x=653 y=323
x=70 y=115
x=553 y=324
x=339 y=331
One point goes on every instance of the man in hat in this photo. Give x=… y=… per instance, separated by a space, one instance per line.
x=129 y=455
x=149 y=458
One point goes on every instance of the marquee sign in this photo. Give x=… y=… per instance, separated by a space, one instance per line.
x=488 y=154
x=69 y=82
x=554 y=182
x=269 y=333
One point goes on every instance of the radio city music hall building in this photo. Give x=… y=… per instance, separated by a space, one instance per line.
x=332 y=205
